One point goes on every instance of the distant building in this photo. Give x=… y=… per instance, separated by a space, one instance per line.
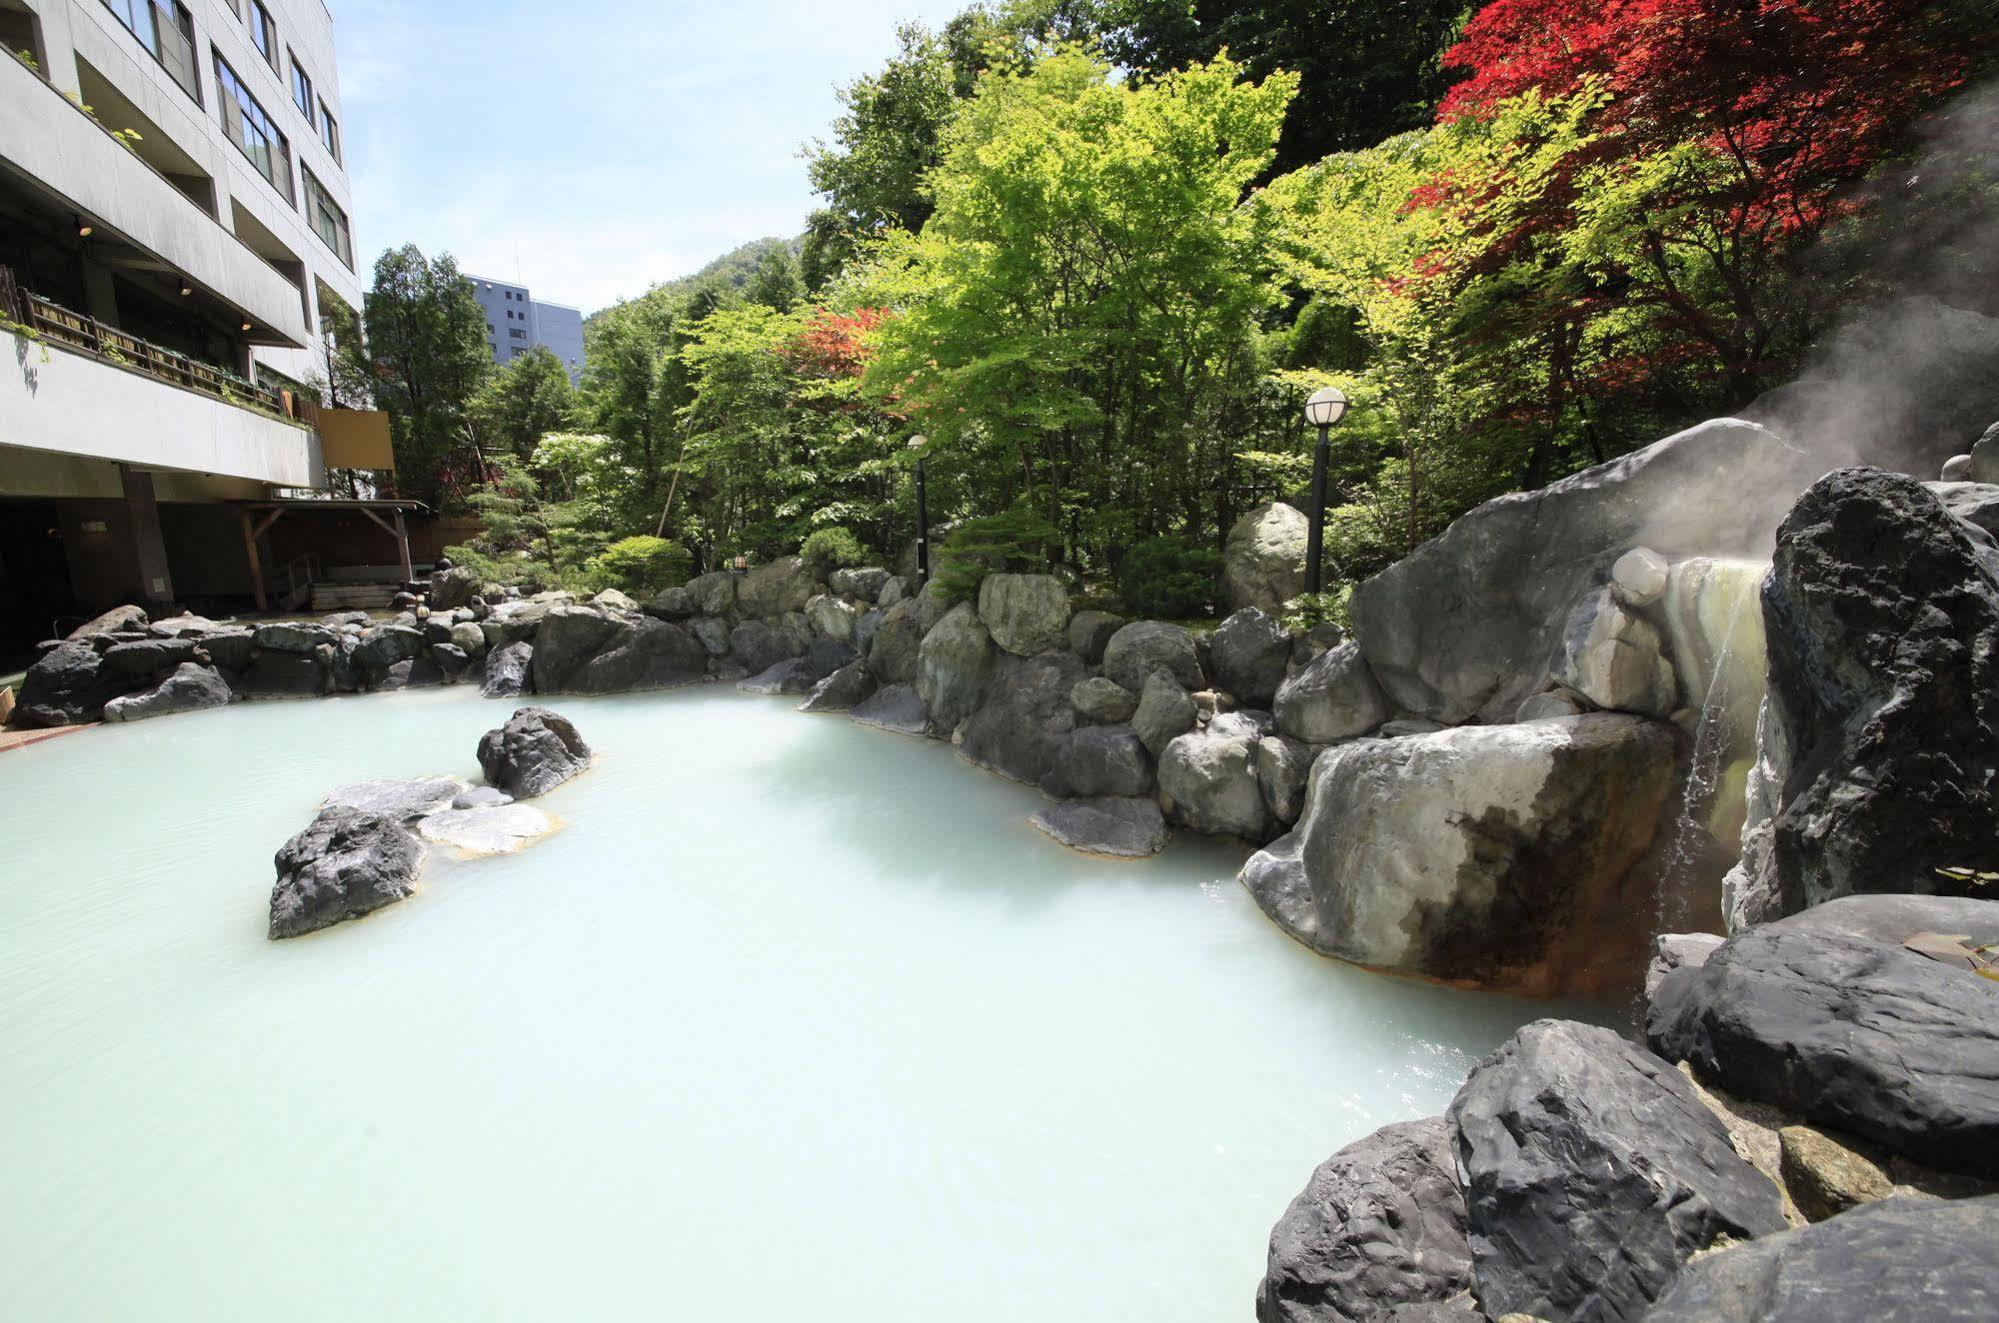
x=516 y=323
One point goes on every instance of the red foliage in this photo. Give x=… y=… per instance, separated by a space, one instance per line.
x=835 y=345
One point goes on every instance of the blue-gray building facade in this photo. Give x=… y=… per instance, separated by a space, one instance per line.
x=516 y=323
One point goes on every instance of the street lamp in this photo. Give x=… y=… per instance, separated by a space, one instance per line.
x=917 y=443
x=1326 y=407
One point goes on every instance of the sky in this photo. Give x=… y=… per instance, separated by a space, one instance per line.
x=592 y=148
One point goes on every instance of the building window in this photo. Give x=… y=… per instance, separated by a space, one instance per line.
x=263 y=32
x=302 y=90
x=329 y=133
x=245 y=124
x=329 y=222
x=166 y=30
x=517 y=333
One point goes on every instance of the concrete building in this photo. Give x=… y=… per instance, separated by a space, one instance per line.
x=515 y=323
x=174 y=243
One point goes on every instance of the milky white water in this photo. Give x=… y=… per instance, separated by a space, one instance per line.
x=791 y=1020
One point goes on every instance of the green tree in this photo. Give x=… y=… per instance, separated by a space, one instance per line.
x=524 y=401
x=428 y=355
x=775 y=282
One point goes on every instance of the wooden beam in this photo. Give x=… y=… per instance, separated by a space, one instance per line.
x=250 y=534
x=403 y=542
x=380 y=522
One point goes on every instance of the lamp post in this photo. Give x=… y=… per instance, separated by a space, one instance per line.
x=1326 y=407
x=917 y=443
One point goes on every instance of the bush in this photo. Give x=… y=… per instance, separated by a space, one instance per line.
x=641 y=565
x=1169 y=578
x=833 y=549
x=1307 y=611
x=1016 y=542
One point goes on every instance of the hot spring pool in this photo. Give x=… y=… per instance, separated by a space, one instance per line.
x=790 y=1020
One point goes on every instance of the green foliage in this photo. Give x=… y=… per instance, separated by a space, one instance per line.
x=524 y=401
x=427 y=355
x=833 y=548
x=1016 y=542
x=1169 y=578
x=1308 y=611
x=641 y=565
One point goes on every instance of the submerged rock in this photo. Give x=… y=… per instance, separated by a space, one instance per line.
x=533 y=753
x=403 y=801
x=1122 y=828
x=189 y=689
x=346 y=864
x=486 y=830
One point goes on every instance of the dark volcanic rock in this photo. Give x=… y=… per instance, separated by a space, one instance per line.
x=1882 y=612
x=536 y=751
x=509 y=671
x=578 y=650
x=68 y=684
x=1592 y=1172
x=286 y=675
x=1380 y=1224
x=1848 y=1032
x=756 y=646
x=896 y=708
x=793 y=675
x=1139 y=649
x=1899 y=1259
x=1104 y=761
x=383 y=646
x=346 y=864
x=841 y=691
x=190 y=688
x=1251 y=652
x=1122 y=828
x=1025 y=720
x=148 y=658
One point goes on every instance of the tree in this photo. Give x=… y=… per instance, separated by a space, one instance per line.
x=775 y=282
x=428 y=354
x=524 y=401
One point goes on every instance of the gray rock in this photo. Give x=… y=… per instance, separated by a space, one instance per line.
x=67 y=684
x=1517 y=856
x=1825 y=1177
x=1466 y=626
x=533 y=753
x=757 y=646
x=231 y=649
x=450 y=659
x=1139 y=649
x=672 y=604
x=346 y=864
x=468 y=638
x=894 y=589
x=488 y=829
x=118 y=620
x=596 y=654
x=1283 y=765
x=1104 y=761
x=782 y=586
x=1165 y=712
x=1120 y=828
x=453 y=587
x=481 y=797
x=1315 y=643
x=1551 y=705
x=1895 y=919
x=1616 y=659
x=793 y=675
x=1251 y=653
x=1671 y=951
x=866 y=628
x=1956 y=469
x=864 y=584
x=1976 y=503
x=383 y=646
x=190 y=688
x=1103 y=701
x=1381 y=1224
x=1334 y=698
x=147 y=659
x=1207 y=781
x=615 y=602
x=953 y=667
x=565 y=642
x=832 y=617
x=1591 y=1172
x=292 y=636
x=714 y=594
x=287 y=675
x=403 y=801
x=1848 y=1032
x=897 y=641
x=842 y=690
x=1024 y=719
x=1397 y=730
x=1090 y=632
x=1899 y=1259
x=509 y=671
x=1027 y=614
x=1640 y=576
x=191 y=626
x=894 y=708
x=1263 y=561
x=712 y=633
x=825 y=656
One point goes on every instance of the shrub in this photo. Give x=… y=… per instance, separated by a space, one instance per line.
x=833 y=549
x=1308 y=611
x=641 y=565
x=1169 y=578
x=1014 y=542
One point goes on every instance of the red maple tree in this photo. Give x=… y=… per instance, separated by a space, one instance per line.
x=834 y=346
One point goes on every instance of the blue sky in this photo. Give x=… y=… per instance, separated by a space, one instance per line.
x=594 y=147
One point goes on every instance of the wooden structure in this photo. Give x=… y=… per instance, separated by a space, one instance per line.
x=258 y=516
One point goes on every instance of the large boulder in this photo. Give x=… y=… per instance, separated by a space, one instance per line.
x=1146 y=646
x=404 y=800
x=1024 y=720
x=672 y=604
x=118 y=620
x=1165 y=712
x=1847 y=1031
x=1591 y=1172
x=533 y=753
x=841 y=691
x=1103 y=701
x=777 y=588
x=1027 y=614
x=1207 y=780
x=1101 y=761
x=892 y=653
x=1090 y=632
x=832 y=617
x=1263 y=562
x=1517 y=856
x=895 y=708
x=1882 y=616
x=1380 y=1224
x=292 y=636
x=953 y=666
x=509 y=671
x=1251 y=651
x=1333 y=698
x=1283 y=767
x=383 y=646
x=863 y=583
x=288 y=675
x=148 y=659
x=1119 y=828
x=190 y=688
x=581 y=651
x=1616 y=658
x=346 y=864
x=714 y=594
x=67 y=684
x=1900 y=1259
x=1467 y=625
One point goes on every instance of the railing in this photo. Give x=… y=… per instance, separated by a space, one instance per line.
x=88 y=335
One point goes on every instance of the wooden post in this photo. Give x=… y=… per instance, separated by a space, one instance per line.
x=256 y=564
x=403 y=544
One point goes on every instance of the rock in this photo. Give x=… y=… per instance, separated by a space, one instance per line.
x=1024 y=721
x=711 y=632
x=1467 y=624
x=509 y=671
x=1165 y=712
x=450 y=588
x=1847 y=1032
x=286 y=675
x=1105 y=762
x=714 y=594
x=1615 y=659
x=1985 y=456
x=564 y=643
x=894 y=708
x=863 y=584
x=825 y=656
x=385 y=645
x=1825 y=1177
x=1334 y=698
x=1975 y=503
x=897 y=641
x=793 y=675
x=1121 y=828
x=450 y=659
x=292 y=636
x=401 y=800
x=1380 y=1224
x=346 y=864
x=832 y=618
x=578 y=651
x=533 y=753
x=612 y=600
x=844 y=689
x=1103 y=701
x=953 y=667
x=1137 y=650
x=1027 y=614
x=1207 y=780
x=118 y=620
x=486 y=829
x=1591 y=1173
x=481 y=797
x=672 y=604
x=1407 y=726
x=1090 y=632
x=893 y=590
x=67 y=684
x=1671 y=951
x=757 y=646
x=1283 y=765
x=1956 y=469
x=1251 y=653
x=782 y=586
x=1515 y=856
x=146 y=659
x=1554 y=704
x=1902 y=1259
x=1639 y=577
x=1882 y=612
x=185 y=626
x=231 y=649
x=190 y=688
x=1263 y=561
x=469 y=639
x=1893 y=920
